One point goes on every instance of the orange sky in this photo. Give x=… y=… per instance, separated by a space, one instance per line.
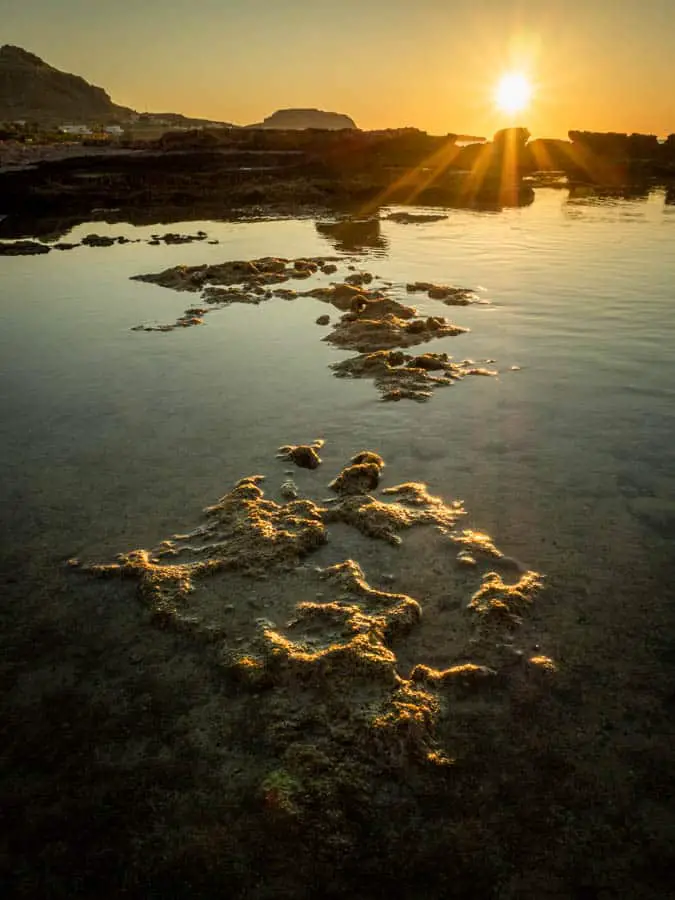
x=597 y=64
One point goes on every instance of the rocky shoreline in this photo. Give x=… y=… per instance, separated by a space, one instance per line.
x=228 y=173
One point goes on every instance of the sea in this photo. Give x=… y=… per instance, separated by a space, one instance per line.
x=115 y=438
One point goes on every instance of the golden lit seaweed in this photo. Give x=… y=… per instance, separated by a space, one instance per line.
x=477 y=542
x=400 y=376
x=498 y=604
x=353 y=298
x=247 y=272
x=303 y=455
x=389 y=614
x=235 y=281
x=405 y=727
x=381 y=519
x=374 y=324
x=451 y=296
x=339 y=650
x=464 y=675
x=364 y=334
x=360 y=476
x=163 y=587
x=244 y=531
x=329 y=690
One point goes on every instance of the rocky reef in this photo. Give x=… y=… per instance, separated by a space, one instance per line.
x=400 y=376
x=333 y=686
x=374 y=322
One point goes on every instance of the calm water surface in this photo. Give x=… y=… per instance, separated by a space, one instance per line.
x=113 y=439
x=108 y=431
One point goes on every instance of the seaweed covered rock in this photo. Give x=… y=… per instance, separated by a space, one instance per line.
x=344 y=296
x=361 y=476
x=236 y=281
x=466 y=675
x=398 y=375
x=344 y=643
x=384 y=519
x=303 y=455
x=359 y=278
x=498 y=604
x=337 y=689
x=243 y=531
x=452 y=296
x=254 y=272
x=377 y=307
x=364 y=334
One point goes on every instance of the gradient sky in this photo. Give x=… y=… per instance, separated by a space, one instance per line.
x=606 y=65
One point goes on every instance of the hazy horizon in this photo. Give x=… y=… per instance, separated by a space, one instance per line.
x=593 y=66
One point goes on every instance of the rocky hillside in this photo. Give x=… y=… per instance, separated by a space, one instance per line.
x=32 y=89
x=295 y=119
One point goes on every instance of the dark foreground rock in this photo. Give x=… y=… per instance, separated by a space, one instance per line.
x=23 y=248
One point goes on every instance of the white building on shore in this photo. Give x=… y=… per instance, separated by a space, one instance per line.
x=75 y=129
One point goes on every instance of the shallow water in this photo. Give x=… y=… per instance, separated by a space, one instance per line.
x=114 y=439
x=581 y=299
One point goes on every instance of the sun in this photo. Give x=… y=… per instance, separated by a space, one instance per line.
x=513 y=93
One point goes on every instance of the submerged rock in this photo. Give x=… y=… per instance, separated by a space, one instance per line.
x=289 y=490
x=359 y=278
x=332 y=706
x=406 y=218
x=23 y=248
x=172 y=238
x=98 y=240
x=243 y=531
x=452 y=296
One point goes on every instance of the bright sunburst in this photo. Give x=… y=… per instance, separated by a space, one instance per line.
x=513 y=93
